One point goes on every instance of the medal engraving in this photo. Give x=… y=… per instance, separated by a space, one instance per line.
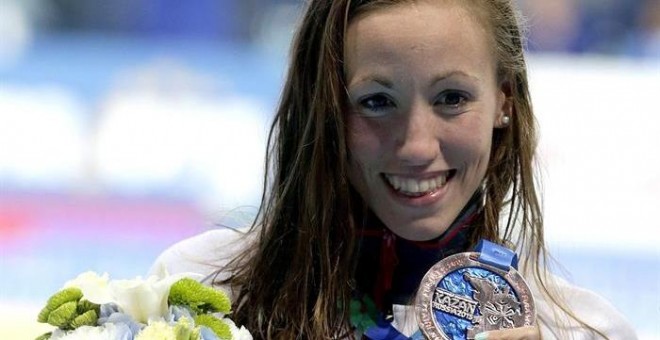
x=460 y=297
x=454 y=304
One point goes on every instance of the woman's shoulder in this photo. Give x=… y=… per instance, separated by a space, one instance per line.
x=203 y=254
x=590 y=307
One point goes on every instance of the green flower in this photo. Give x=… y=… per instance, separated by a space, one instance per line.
x=219 y=327
x=86 y=306
x=57 y=300
x=198 y=297
x=63 y=315
x=67 y=310
x=87 y=318
x=44 y=336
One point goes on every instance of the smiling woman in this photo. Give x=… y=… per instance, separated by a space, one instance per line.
x=423 y=110
x=404 y=136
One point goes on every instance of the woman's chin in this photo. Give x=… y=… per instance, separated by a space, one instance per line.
x=420 y=233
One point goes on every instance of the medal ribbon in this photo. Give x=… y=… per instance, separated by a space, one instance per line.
x=489 y=253
x=454 y=240
x=496 y=255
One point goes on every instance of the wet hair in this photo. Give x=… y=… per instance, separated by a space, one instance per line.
x=295 y=281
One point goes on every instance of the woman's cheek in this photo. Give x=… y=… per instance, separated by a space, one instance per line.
x=468 y=143
x=365 y=138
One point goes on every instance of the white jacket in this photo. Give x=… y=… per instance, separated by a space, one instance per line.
x=205 y=253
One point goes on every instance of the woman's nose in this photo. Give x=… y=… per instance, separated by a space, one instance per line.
x=417 y=140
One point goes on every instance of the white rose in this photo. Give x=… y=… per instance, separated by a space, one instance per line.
x=143 y=300
x=93 y=286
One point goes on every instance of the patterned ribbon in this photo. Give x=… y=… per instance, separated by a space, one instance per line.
x=416 y=257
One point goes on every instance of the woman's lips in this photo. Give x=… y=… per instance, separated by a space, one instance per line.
x=418 y=186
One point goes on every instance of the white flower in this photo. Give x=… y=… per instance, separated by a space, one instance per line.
x=157 y=330
x=143 y=308
x=108 y=331
x=141 y=299
x=94 y=287
x=236 y=333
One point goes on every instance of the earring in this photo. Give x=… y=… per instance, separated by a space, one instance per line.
x=506 y=120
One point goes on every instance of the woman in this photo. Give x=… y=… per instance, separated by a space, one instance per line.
x=405 y=134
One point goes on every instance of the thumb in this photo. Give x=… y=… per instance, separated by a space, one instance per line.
x=521 y=333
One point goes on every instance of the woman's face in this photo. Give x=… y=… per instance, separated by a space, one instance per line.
x=424 y=102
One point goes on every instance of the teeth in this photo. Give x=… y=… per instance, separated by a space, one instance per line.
x=425 y=185
x=396 y=182
x=411 y=186
x=414 y=186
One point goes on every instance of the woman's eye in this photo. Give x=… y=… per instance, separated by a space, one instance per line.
x=453 y=101
x=375 y=105
x=453 y=98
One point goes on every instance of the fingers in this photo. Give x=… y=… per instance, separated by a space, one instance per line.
x=521 y=333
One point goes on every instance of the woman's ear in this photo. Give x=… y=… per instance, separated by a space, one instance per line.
x=504 y=114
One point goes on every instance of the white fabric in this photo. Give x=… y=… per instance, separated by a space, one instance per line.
x=206 y=252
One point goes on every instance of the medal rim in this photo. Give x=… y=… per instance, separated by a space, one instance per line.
x=423 y=306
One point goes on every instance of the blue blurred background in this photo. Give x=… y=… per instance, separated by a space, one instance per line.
x=128 y=125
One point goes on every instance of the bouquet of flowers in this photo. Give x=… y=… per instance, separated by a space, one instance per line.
x=176 y=307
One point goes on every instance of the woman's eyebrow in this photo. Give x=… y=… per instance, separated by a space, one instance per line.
x=372 y=78
x=387 y=83
x=456 y=73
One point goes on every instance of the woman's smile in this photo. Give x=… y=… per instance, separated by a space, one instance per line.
x=424 y=101
x=420 y=189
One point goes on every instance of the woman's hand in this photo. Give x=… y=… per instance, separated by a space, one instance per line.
x=521 y=333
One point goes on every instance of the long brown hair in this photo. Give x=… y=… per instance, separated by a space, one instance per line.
x=295 y=281
x=299 y=271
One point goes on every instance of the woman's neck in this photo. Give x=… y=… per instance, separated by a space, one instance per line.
x=390 y=268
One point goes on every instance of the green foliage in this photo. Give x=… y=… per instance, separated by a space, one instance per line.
x=57 y=300
x=67 y=310
x=219 y=327
x=63 y=315
x=44 y=336
x=85 y=306
x=43 y=315
x=88 y=318
x=198 y=297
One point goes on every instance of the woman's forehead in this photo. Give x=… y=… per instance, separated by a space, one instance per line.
x=387 y=21
x=439 y=36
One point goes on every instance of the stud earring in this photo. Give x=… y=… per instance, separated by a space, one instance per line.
x=506 y=120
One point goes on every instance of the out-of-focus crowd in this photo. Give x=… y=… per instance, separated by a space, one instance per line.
x=615 y=27
x=619 y=27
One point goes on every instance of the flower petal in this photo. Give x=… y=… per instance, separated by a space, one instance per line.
x=93 y=286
